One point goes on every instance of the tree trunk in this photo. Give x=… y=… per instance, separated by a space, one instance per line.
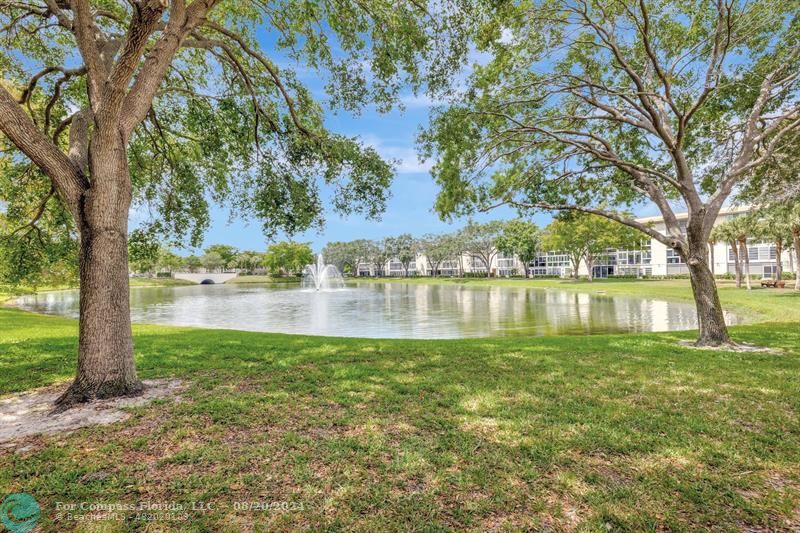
x=779 y=259
x=745 y=254
x=106 y=365
x=710 y=318
x=737 y=266
x=590 y=268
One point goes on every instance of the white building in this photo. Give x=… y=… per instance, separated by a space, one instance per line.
x=651 y=258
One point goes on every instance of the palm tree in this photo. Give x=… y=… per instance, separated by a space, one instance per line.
x=742 y=227
x=727 y=232
x=774 y=226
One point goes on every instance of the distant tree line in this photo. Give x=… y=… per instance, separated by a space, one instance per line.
x=280 y=259
x=582 y=236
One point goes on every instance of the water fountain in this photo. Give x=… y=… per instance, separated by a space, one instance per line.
x=320 y=276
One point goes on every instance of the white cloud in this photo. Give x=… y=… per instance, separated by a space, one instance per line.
x=420 y=100
x=409 y=162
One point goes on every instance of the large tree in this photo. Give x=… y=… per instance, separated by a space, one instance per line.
x=347 y=255
x=480 y=240
x=520 y=238
x=225 y=251
x=403 y=248
x=585 y=237
x=586 y=103
x=288 y=258
x=437 y=250
x=164 y=104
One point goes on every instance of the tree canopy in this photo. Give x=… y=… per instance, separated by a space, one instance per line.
x=585 y=104
x=584 y=237
x=212 y=109
x=288 y=258
x=593 y=102
x=521 y=238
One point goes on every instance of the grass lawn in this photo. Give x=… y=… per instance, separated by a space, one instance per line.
x=608 y=432
x=7 y=292
x=158 y=282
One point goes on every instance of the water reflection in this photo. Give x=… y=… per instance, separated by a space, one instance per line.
x=392 y=310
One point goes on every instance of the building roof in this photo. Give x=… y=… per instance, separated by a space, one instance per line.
x=683 y=216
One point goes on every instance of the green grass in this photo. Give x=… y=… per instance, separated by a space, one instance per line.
x=609 y=432
x=8 y=292
x=159 y=282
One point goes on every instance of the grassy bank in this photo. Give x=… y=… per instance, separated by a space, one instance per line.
x=8 y=292
x=158 y=282
x=619 y=432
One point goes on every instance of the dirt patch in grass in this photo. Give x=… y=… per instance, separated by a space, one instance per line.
x=733 y=347
x=28 y=413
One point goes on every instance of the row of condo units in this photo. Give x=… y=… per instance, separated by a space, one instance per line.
x=650 y=258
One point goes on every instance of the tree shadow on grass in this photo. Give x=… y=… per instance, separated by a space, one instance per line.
x=628 y=430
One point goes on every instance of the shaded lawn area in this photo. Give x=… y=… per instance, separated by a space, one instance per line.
x=620 y=432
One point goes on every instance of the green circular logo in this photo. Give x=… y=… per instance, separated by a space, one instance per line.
x=19 y=512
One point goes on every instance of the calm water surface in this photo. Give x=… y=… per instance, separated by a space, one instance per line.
x=391 y=310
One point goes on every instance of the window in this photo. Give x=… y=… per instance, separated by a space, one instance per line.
x=477 y=263
x=396 y=268
x=505 y=260
x=673 y=257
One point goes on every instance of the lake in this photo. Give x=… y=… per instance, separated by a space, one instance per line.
x=392 y=310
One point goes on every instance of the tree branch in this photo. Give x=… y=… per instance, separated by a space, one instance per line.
x=672 y=242
x=86 y=36
x=23 y=133
x=182 y=21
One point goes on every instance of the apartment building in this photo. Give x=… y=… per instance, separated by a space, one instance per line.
x=649 y=258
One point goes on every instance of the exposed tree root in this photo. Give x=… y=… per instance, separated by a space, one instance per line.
x=79 y=392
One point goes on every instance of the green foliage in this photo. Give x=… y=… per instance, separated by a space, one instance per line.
x=574 y=104
x=192 y=263
x=404 y=248
x=226 y=253
x=38 y=243
x=212 y=261
x=143 y=251
x=287 y=258
x=228 y=125
x=481 y=239
x=584 y=236
x=346 y=255
x=521 y=238
x=439 y=248
x=248 y=260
